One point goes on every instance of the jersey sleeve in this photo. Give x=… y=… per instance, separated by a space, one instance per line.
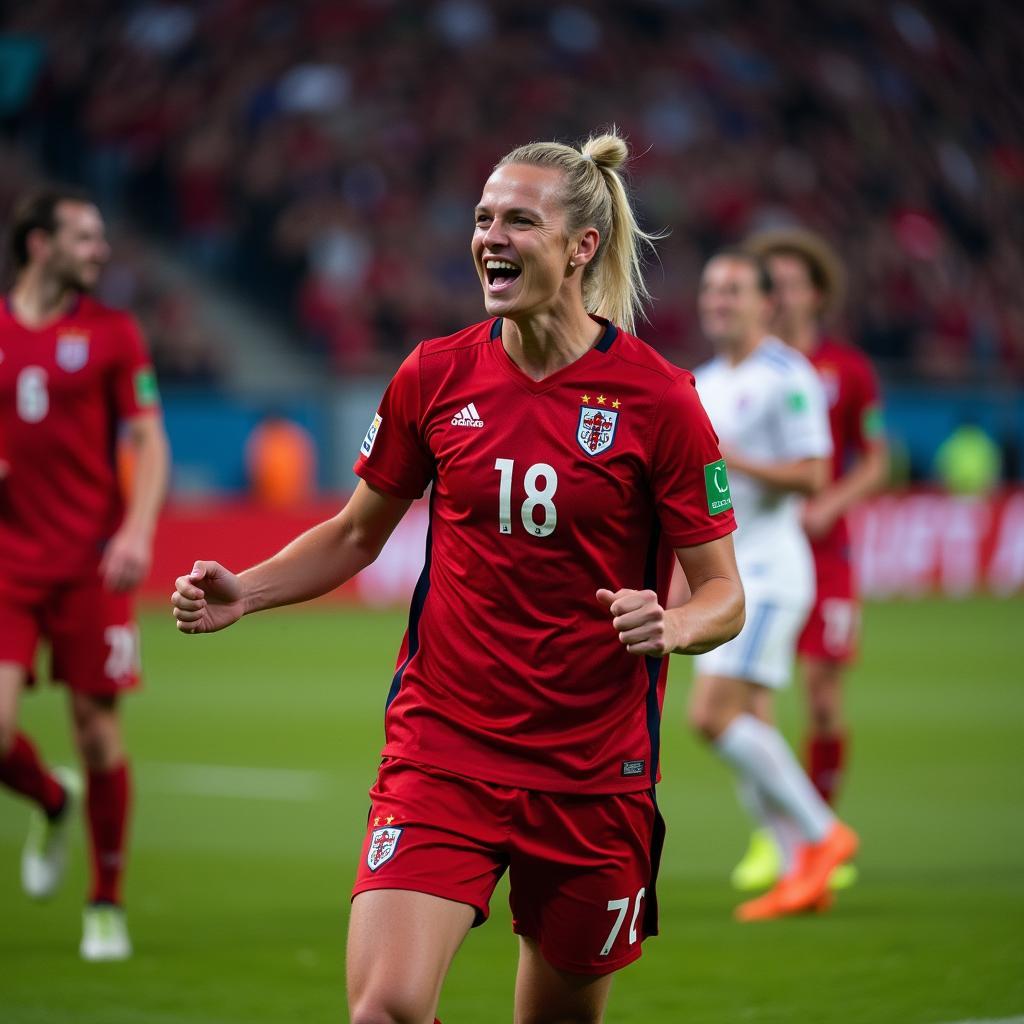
x=394 y=456
x=688 y=475
x=135 y=388
x=866 y=425
x=802 y=416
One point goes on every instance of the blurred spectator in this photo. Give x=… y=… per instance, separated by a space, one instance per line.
x=326 y=157
x=969 y=461
x=280 y=457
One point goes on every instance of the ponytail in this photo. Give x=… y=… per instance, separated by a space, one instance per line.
x=595 y=195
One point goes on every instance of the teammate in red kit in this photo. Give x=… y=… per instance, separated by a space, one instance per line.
x=72 y=374
x=566 y=462
x=808 y=282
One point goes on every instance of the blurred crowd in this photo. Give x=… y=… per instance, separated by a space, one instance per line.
x=324 y=157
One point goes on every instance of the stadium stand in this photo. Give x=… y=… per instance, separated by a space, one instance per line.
x=314 y=155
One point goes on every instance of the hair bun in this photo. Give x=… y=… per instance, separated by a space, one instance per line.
x=607 y=151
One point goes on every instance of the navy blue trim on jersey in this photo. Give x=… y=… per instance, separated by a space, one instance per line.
x=653 y=665
x=419 y=599
x=611 y=332
x=655 y=849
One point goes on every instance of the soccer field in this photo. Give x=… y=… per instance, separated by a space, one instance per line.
x=254 y=749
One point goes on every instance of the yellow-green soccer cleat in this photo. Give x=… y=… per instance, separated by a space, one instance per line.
x=45 y=856
x=761 y=865
x=104 y=933
x=844 y=877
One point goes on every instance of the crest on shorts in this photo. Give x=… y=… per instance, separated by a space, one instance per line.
x=596 y=429
x=72 y=351
x=383 y=844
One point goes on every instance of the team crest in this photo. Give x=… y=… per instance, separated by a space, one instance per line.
x=596 y=429
x=383 y=844
x=72 y=351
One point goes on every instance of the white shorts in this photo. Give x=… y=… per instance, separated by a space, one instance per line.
x=764 y=651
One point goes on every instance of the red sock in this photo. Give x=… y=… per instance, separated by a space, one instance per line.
x=107 y=803
x=825 y=758
x=23 y=772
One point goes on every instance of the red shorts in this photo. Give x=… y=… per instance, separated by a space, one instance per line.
x=94 y=641
x=582 y=868
x=833 y=627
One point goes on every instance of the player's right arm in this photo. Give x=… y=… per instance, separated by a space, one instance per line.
x=211 y=597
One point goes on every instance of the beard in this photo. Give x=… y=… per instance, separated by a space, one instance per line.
x=71 y=278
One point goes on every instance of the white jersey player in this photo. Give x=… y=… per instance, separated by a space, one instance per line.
x=768 y=407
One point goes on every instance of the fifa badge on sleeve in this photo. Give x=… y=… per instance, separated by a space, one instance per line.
x=371 y=435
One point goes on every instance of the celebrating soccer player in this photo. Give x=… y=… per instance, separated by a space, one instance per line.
x=769 y=409
x=566 y=461
x=808 y=283
x=72 y=375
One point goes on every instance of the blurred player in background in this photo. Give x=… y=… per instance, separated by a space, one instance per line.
x=808 y=283
x=73 y=374
x=768 y=408
x=567 y=460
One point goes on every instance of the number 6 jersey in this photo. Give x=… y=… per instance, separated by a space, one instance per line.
x=543 y=492
x=64 y=388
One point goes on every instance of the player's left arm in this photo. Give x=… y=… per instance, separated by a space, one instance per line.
x=713 y=614
x=868 y=471
x=127 y=556
x=867 y=474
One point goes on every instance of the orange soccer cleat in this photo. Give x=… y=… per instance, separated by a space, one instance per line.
x=806 y=886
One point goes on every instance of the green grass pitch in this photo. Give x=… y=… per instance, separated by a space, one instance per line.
x=238 y=886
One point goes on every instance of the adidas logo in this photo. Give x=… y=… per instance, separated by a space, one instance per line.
x=468 y=417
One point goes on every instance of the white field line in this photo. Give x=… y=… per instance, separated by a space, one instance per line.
x=1001 y=1020
x=235 y=782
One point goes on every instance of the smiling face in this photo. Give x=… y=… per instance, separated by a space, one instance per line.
x=521 y=245
x=733 y=309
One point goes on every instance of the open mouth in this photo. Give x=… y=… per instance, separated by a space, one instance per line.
x=500 y=274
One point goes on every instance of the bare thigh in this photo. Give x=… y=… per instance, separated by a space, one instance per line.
x=12 y=679
x=400 y=946
x=545 y=995
x=715 y=701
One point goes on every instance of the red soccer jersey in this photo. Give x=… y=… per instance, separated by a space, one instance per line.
x=63 y=391
x=542 y=492
x=855 y=414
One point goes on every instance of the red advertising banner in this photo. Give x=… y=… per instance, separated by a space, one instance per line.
x=905 y=545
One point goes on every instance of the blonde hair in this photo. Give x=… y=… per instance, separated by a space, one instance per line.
x=595 y=196
x=823 y=265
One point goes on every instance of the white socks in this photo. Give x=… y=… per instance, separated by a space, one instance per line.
x=763 y=761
